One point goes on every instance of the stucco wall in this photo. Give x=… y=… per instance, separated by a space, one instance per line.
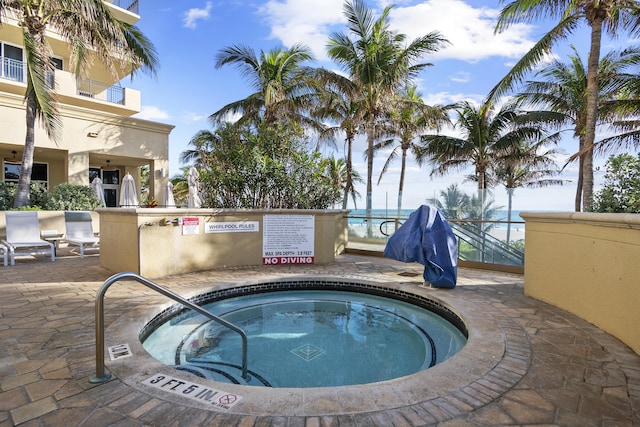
x=589 y=265
x=164 y=249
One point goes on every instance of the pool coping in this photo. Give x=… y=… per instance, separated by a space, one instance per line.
x=495 y=358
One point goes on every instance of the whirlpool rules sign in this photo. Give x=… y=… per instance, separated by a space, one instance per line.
x=288 y=239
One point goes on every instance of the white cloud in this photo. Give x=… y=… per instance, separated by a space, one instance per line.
x=303 y=21
x=151 y=112
x=461 y=77
x=469 y=29
x=192 y=117
x=192 y=16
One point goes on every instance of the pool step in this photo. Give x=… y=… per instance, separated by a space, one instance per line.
x=223 y=372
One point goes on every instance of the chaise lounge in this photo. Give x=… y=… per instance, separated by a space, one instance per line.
x=23 y=233
x=79 y=231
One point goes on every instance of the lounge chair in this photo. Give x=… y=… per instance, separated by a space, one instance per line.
x=23 y=232
x=79 y=231
x=4 y=251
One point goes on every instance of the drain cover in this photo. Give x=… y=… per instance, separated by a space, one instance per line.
x=307 y=352
x=408 y=274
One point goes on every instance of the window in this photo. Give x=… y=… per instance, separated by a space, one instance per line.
x=39 y=173
x=12 y=62
x=51 y=77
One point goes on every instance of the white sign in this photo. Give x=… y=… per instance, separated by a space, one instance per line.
x=288 y=239
x=217 y=398
x=190 y=225
x=119 y=351
x=232 y=227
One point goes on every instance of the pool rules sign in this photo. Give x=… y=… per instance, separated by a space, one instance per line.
x=288 y=239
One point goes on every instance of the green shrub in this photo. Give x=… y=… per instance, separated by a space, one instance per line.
x=38 y=196
x=70 y=197
x=621 y=190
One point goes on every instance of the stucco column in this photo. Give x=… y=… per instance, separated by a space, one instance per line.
x=78 y=167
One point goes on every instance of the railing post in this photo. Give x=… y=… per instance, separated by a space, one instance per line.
x=101 y=375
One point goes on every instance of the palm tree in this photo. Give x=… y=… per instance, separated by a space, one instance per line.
x=529 y=164
x=338 y=174
x=562 y=88
x=378 y=60
x=487 y=135
x=608 y=15
x=87 y=26
x=283 y=89
x=338 y=102
x=406 y=122
x=453 y=203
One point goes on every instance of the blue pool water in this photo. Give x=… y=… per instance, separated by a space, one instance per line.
x=307 y=338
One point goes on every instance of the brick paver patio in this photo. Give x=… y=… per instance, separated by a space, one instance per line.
x=556 y=370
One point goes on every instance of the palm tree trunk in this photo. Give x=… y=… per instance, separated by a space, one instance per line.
x=348 y=187
x=403 y=167
x=22 y=193
x=370 y=141
x=592 y=110
x=509 y=206
x=578 y=200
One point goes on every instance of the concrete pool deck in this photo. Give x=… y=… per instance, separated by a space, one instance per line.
x=555 y=369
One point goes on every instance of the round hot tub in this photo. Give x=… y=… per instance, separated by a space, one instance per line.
x=307 y=334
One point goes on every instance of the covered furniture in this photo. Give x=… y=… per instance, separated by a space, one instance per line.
x=79 y=230
x=427 y=238
x=23 y=235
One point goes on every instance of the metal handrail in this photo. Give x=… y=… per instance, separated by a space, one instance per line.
x=101 y=375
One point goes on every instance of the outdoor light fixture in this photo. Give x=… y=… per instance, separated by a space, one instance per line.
x=92 y=134
x=13 y=159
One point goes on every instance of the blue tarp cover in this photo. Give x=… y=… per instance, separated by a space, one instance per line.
x=427 y=238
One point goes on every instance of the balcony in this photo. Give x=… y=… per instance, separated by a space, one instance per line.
x=80 y=92
x=130 y=5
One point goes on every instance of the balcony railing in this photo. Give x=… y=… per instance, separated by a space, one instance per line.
x=130 y=5
x=101 y=91
x=478 y=241
x=12 y=70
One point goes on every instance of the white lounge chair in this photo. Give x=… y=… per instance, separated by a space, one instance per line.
x=23 y=232
x=79 y=230
x=4 y=251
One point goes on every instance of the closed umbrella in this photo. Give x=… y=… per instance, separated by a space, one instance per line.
x=167 y=196
x=193 y=179
x=96 y=184
x=128 y=194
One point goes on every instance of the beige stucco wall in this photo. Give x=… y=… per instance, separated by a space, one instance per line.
x=589 y=265
x=133 y=239
x=127 y=142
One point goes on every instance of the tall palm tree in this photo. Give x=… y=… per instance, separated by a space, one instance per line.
x=486 y=135
x=410 y=117
x=379 y=61
x=338 y=101
x=529 y=164
x=562 y=88
x=601 y=15
x=283 y=89
x=87 y=26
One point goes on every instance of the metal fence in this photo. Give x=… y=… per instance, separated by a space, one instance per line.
x=488 y=242
x=12 y=69
x=101 y=91
x=130 y=5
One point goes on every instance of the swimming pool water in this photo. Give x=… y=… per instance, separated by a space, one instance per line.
x=307 y=338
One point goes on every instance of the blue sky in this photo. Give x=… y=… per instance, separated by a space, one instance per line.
x=188 y=34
